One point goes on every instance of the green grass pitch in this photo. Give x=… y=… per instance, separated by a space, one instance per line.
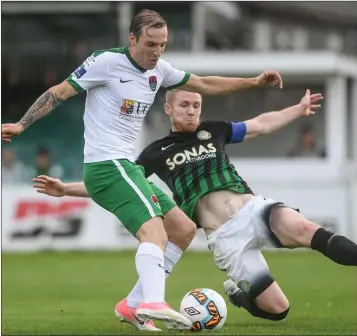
x=75 y=293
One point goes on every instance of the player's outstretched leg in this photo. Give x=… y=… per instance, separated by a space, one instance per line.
x=294 y=230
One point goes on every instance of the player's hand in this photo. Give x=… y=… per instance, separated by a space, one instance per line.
x=49 y=186
x=10 y=130
x=309 y=102
x=270 y=77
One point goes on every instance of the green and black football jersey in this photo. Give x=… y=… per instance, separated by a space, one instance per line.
x=195 y=164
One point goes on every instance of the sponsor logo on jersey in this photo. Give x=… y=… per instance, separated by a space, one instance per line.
x=204 y=135
x=79 y=72
x=194 y=154
x=153 y=82
x=88 y=61
x=127 y=106
x=132 y=109
x=82 y=69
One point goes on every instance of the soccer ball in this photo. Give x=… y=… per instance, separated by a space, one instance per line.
x=205 y=308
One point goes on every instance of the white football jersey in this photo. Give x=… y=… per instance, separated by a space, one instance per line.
x=119 y=95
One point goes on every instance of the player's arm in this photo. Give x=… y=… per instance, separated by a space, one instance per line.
x=56 y=188
x=76 y=189
x=272 y=121
x=215 y=85
x=46 y=103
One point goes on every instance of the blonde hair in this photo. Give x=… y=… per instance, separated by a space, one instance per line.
x=170 y=95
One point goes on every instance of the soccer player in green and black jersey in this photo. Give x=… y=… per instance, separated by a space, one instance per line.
x=206 y=186
x=194 y=165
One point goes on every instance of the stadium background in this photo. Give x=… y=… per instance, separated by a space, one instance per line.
x=312 y=44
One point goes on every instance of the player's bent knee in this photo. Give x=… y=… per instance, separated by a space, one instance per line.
x=179 y=228
x=152 y=231
x=182 y=238
x=272 y=300
x=279 y=306
x=189 y=232
x=275 y=308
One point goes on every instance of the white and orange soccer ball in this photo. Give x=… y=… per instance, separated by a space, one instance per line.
x=205 y=308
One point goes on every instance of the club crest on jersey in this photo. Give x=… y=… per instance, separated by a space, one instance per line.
x=204 y=135
x=153 y=82
x=155 y=201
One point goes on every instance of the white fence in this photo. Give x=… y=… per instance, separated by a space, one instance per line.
x=32 y=222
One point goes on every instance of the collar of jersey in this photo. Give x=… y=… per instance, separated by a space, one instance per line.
x=176 y=132
x=180 y=134
x=132 y=61
x=171 y=132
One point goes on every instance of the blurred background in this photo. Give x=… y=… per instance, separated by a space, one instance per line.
x=312 y=44
x=311 y=164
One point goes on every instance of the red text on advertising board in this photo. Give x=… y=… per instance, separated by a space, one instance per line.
x=38 y=208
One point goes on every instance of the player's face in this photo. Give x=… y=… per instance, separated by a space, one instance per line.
x=185 y=111
x=149 y=47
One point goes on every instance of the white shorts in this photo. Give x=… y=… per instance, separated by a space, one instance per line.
x=236 y=245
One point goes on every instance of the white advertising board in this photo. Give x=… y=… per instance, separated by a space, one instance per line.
x=32 y=222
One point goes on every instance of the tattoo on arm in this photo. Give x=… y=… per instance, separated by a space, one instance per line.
x=41 y=107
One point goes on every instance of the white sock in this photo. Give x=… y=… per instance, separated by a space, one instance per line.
x=171 y=257
x=149 y=262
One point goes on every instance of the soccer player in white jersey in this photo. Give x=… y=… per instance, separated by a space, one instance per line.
x=121 y=85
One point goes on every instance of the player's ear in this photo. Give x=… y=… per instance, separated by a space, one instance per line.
x=167 y=109
x=132 y=40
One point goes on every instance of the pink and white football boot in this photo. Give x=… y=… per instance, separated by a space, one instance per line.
x=128 y=315
x=161 y=311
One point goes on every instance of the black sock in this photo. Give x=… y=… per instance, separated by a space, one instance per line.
x=247 y=300
x=337 y=248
